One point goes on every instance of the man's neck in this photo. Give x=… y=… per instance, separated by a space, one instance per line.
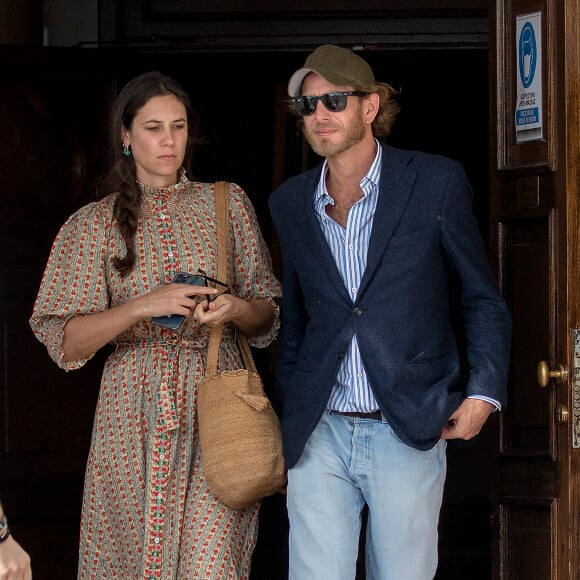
x=345 y=172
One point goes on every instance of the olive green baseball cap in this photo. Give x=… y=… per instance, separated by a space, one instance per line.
x=339 y=66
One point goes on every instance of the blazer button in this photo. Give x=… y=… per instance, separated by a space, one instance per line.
x=340 y=355
x=357 y=311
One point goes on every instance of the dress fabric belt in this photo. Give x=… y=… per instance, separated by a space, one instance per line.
x=376 y=415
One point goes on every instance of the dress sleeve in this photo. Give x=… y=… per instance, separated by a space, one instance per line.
x=74 y=280
x=252 y=263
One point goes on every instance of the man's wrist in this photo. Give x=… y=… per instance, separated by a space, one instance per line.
x=495 y=404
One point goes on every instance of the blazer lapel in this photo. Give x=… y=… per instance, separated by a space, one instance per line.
x=394 y=191
x=314 y=247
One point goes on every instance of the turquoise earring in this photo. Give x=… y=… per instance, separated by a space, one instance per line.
x=126 y=150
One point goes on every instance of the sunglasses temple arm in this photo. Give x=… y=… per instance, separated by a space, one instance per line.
x=210 y=279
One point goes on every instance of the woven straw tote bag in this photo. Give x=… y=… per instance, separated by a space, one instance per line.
x=240 y=438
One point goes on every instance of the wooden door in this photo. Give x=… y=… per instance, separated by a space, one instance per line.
x=535 y=63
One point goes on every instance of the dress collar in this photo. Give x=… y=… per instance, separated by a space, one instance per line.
x=168 y=190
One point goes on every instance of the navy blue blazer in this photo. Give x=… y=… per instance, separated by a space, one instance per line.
x=425 y=248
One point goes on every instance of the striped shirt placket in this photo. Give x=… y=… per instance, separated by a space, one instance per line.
x=349 y=249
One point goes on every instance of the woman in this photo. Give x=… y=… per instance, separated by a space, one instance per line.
x=147 y=511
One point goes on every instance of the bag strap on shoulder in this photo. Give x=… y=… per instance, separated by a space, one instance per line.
x=222 y=202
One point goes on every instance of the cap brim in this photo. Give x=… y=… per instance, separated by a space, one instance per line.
x=295 y=82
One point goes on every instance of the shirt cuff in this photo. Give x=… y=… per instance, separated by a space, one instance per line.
x=495 y=403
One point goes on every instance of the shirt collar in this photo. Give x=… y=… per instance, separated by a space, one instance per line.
x=370 y=180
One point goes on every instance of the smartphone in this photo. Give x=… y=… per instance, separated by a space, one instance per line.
x=174 y=321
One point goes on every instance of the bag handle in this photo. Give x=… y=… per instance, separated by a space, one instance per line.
x=222 y=202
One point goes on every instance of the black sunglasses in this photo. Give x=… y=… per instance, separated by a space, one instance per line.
x=209 y=282
x=334 y=102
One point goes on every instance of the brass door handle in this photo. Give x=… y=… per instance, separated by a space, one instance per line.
x=560 y=374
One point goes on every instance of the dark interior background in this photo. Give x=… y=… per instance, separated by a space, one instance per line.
x=53 y=116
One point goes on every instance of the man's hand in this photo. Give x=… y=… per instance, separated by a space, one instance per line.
x=468 y=419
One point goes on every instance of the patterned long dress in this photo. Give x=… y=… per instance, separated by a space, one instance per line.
x=147 y=511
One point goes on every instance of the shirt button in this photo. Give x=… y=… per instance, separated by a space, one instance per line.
x=353 y=290
x=357 y=311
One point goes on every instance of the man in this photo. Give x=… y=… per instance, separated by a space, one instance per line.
x=373 y=242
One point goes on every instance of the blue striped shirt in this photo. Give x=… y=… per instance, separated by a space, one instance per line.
x=349 y=248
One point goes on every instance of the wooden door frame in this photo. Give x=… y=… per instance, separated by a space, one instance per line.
x=570 y=125
x=532 y=164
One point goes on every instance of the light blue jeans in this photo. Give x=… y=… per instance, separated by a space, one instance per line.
x=346 y=463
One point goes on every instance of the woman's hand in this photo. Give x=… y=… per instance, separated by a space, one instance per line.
x=252 y=318
x=224 y=308
x=172 y=299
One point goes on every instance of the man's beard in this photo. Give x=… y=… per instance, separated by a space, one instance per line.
x=326 y=147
